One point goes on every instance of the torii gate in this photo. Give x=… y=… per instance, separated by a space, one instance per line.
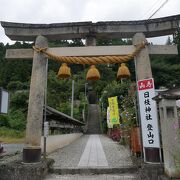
x=41 y=33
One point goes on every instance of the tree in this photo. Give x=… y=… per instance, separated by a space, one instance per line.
x=176 y=40
x=168 y=41
x=115 y=89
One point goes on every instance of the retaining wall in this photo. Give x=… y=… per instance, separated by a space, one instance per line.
x=58 y=141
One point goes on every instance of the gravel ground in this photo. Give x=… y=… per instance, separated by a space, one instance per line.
x=10 y=158
x=12 y=153
x=116 y=154
x=13 y=148
x=70 y=155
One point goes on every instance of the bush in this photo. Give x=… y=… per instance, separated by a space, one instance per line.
x=17 y=120
x=6 y=132
x=4 y=120
x=64 y=107
x=19 y=99
x=17 y=85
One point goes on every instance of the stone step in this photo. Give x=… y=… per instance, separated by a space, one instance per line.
x=93 y=120
x=91 y=177
x=100 y=170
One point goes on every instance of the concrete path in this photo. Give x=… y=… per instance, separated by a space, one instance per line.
x=92 y=157
x=104 y=151
x=93 y=154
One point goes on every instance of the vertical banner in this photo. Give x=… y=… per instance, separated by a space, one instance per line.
x=114 y=111
x=148 y=112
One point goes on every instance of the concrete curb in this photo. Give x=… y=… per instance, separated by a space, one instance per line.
x=59 y=141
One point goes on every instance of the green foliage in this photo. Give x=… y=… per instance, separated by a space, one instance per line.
x=166 y=71
x=2 y=51
x=14 y=70
x=19 y=99
x=77 y=114
x=17 y=120
x=15 y=76
x=4 y=121
x=128 y=116
x=13 y=124
x=65 y=107
x=177 y=40
x=58 y=90
x=101 y=42
x=125 y=103
x=6 y=132
x=17 y=85
x=115 y=89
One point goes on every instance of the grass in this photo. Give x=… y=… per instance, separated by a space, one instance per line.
x=13 y=140
x=11 y=136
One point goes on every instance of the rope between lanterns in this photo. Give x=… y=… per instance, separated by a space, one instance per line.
x=93 y=73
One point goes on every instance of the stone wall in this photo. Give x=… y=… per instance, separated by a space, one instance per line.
x=14 y=169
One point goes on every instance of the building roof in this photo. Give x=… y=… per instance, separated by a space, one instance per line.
x=55 y=115
x=173 y=93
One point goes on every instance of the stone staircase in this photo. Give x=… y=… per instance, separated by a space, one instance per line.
x=93 y=120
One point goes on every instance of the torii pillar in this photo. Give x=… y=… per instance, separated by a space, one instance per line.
x=143 y=71
x=32 y=149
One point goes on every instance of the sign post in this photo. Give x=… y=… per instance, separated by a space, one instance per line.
x=46 y=133
x=4 y=101
x=148 y=113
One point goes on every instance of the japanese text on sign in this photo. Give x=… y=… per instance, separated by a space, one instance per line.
x=114 y=111
x=149 y=123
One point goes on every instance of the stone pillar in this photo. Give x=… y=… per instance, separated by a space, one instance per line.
x=32 y=151
x=142 y=60
x=170 y=133
x=143 y=71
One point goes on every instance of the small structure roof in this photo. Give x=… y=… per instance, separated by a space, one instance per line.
x=173 y=93
x=53 y=114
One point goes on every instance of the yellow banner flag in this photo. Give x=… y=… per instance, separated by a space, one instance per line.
x=114 y=111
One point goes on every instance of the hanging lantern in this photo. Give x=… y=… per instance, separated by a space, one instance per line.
x=93 y=73
x=123 y=71
x=64 y=71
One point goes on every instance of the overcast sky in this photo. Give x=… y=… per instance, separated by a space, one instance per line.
x=58 y=11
